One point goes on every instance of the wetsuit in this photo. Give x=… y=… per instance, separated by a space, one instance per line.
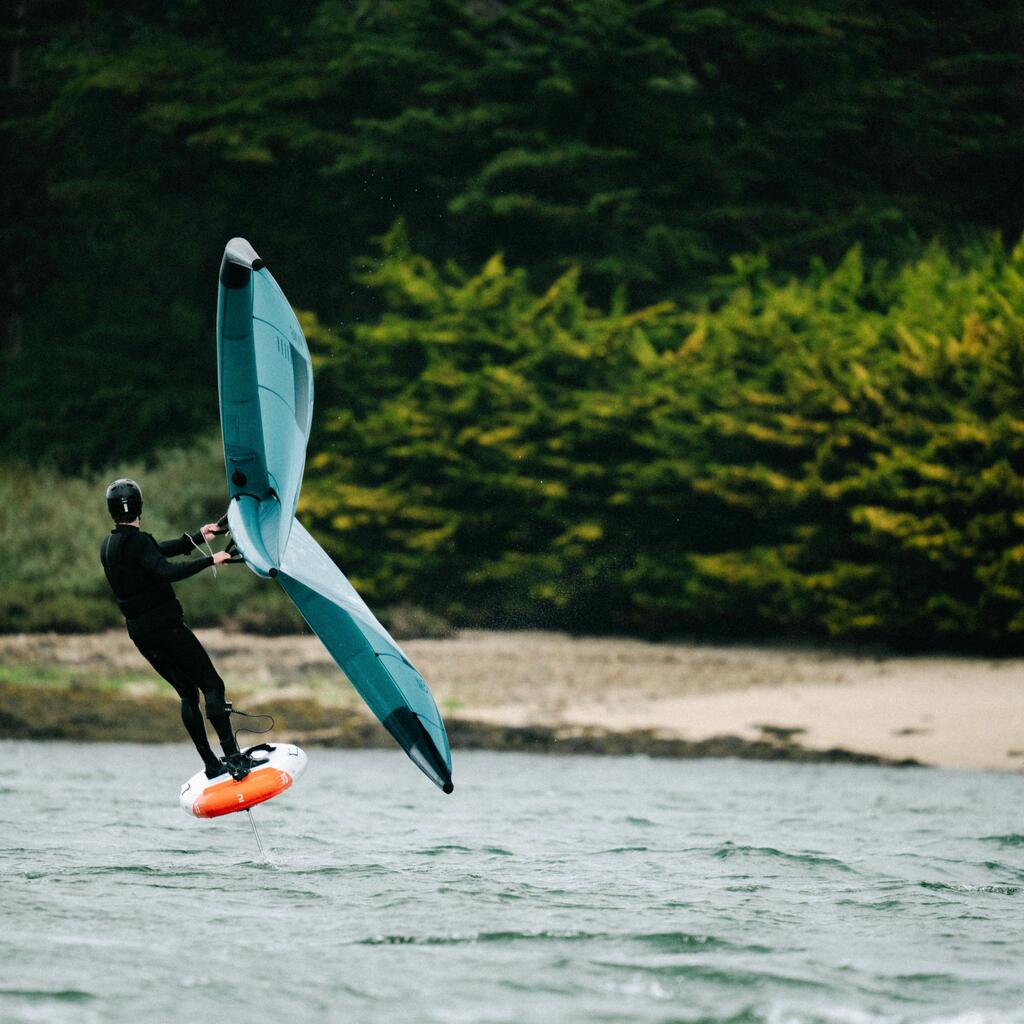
x=140 y=576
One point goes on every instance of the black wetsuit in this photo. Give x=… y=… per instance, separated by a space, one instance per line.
x=141 y=576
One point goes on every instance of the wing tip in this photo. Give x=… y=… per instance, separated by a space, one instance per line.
x=240 y=260
x=407 y=729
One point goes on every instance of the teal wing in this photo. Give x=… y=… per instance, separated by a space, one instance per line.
x=266 y=390
x=364 y=650
x=266 y=408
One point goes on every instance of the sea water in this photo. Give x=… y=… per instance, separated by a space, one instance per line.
x=545 y=889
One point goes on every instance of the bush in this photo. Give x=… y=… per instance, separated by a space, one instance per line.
x=267 y=613
x=410 y=622
x=838 y=456
x=31 y=609
x=52 y=525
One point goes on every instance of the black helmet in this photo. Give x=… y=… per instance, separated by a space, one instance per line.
x=124 y=499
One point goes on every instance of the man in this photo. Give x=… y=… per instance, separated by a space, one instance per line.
x=140 y=576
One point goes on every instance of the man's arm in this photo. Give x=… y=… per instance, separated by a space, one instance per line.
x=153 y=559
x=182 y=545
x=185 y=544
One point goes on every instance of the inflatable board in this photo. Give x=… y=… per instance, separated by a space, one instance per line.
x=210 y=798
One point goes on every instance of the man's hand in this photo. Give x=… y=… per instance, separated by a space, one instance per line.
x=211 y=530
x=221 y=557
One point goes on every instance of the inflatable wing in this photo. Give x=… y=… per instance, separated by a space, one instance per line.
x=266 y=408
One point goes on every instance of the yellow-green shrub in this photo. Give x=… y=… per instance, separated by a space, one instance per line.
x=840 y=455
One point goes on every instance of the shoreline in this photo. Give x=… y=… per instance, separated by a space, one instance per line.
x=89 y=714
x=548 y=692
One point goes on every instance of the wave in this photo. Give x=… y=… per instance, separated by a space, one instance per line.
x=727 y=850
x=664 y=942
x=64 y=995
x=784 y=1013
x=680 y=942
x=732 y=978
x=457 y=939
x=963 y=887
x=1012 y=839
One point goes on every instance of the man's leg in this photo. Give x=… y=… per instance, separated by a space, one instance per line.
x=192 y=719
x=191 y=716
x=193 y=663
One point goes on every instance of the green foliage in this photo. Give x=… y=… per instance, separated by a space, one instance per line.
x=840 y=455
x=51 y=528
x=268 y=612
x=410 y=622
x=868 y=433
x=837 y=454
x=644 y=143
x=469 y=438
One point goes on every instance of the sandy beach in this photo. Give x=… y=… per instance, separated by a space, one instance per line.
x=940 y=710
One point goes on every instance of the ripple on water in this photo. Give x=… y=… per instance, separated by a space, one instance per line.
x=869 y=904
x=330 y=870
x=1004 y=869
x=662 y=942
x=530 y=903
x=1011 y=839
x=733 y=978
x=728 y=849
x=437 y=851
x=679 y=942
x=963 y=887
x=63 y=995
x=460 y=939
